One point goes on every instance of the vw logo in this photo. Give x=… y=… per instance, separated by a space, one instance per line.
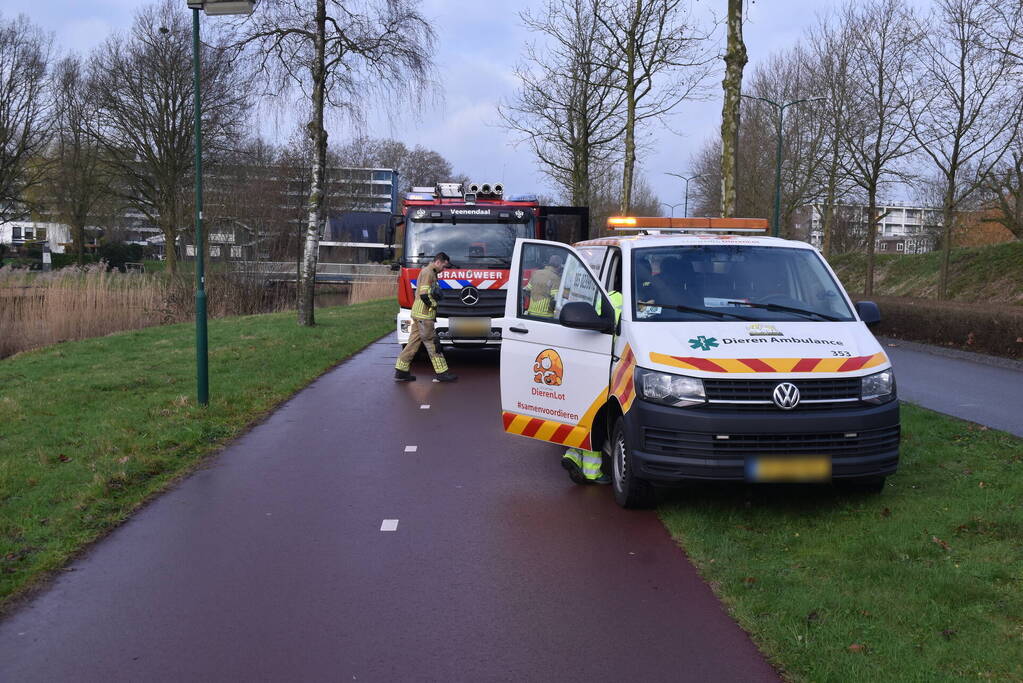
x=470 y=296
x=786 y=396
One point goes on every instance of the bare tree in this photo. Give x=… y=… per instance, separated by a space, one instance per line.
x=1003 y=189
x=144 y=113
x=876 y=135
x=24 y=110
x=78 y=179
x=735 y=60
x=418 y=166
x=968 y=105
x=334 y=54
x=831 y=47
x=660 y=58
x=568 y=106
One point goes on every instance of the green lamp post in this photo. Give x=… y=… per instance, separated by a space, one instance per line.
x=202 y=374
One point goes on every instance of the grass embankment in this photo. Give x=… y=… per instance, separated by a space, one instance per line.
x=91 y=429
x=921 y=583
x=992 y=274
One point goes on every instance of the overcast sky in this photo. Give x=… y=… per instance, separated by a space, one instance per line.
x=479 y=45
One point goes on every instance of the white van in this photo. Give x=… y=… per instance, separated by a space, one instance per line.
x=736 y=357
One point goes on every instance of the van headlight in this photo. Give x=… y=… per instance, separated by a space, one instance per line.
x=879 y=387
x=672 y=390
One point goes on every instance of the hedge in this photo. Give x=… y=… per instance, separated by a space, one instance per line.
x=995 y=329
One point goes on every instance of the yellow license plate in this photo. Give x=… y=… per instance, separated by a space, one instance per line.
x=469 y=327
x=790 y=469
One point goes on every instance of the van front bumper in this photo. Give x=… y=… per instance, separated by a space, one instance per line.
x=675 y=444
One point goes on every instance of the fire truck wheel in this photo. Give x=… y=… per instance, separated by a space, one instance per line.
x=629 y=491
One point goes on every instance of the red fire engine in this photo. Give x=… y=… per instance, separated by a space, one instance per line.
x=476 y=226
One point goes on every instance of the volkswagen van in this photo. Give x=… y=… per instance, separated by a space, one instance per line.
x=734 y=356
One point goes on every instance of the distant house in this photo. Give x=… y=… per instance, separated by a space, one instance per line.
x=980 y=228
x=26 y=233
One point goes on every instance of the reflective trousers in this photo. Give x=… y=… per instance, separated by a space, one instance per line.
x=422 y=332
x=587 y=461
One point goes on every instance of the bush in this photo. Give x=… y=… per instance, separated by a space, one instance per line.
x=116 y=254
x=996 y=329
x=70 y=259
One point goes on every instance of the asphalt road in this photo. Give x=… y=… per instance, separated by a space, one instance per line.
x=273 y=563
x=958 y=384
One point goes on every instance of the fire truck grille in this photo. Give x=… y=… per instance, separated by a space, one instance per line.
x=490 y=304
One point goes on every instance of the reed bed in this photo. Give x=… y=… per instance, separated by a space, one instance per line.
x=38 y=309
x=377 y=288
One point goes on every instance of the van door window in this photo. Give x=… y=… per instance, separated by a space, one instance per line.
x=551 y=277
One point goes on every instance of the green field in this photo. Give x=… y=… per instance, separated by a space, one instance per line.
x=921 y=583
x=92 y=429
x=992 y=274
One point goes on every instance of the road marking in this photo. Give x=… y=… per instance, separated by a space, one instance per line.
x=389 y=525
x=425 y=406
x=411 y=449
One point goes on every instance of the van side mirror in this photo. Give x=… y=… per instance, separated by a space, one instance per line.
x=868 y=312
x=583 y=316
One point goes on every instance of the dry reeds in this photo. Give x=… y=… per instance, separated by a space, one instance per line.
x=38 y=309
x=377 y=288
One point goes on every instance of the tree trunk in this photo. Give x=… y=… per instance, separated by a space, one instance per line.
x=307 y=275
x=170 y=239
x=868 y=285
x=629 y=165
x=948 y=218
x=78 y=242
x=735 y=60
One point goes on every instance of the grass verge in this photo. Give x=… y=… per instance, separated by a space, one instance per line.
x=91 y=429
x=922 y=583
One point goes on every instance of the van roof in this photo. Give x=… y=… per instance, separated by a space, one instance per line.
x=635 y=241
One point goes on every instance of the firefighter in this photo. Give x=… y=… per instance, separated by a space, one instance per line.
x=424 y=316
x=543 y=287
x=584 y=467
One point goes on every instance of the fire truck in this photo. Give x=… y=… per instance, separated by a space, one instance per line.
x=476 y=225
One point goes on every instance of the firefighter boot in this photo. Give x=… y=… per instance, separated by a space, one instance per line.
x=445 y=377
x=403 y=376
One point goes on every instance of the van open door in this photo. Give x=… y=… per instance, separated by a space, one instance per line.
x=556 y=348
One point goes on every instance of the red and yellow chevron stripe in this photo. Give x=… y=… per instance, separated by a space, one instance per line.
x=574 y=436
x=771 y=364
x=622 y=384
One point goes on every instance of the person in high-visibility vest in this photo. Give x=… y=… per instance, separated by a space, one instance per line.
x=584 y=467
x=423 y=330
x=543 y=288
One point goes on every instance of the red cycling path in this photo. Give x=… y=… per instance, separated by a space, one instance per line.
x=270 y=562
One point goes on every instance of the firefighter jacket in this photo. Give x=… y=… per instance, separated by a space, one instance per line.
x=425 y=305
x=543 y=286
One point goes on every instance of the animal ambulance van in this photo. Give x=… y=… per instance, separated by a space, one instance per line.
x=734 y=357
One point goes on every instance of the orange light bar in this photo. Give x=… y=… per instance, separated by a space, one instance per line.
x=621 y=221
x=664 y=222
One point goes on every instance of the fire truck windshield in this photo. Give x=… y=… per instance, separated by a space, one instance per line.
x=467 y=244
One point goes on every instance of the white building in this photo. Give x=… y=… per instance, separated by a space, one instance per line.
x=903 y=228
x=17 y=233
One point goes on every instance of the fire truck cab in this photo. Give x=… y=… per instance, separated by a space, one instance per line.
x=476 y=225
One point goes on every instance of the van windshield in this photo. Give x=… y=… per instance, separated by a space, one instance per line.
x=733 y=282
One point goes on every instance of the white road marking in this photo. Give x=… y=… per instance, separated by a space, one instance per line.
x=425 y=406
x=411 y=449
x=389 y=525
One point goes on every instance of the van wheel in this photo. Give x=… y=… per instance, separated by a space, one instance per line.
x=873 y=485
x=630 y=492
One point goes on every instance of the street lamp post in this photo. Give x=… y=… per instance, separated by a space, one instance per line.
x=202 y=374
x=686 y=179
x=781 y=107
x=670 y=206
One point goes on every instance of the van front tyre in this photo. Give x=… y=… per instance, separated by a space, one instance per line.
x=629 y=491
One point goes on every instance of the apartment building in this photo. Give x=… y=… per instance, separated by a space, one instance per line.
x=903 y=228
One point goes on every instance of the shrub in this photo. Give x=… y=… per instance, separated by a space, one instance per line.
x=988 y=328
